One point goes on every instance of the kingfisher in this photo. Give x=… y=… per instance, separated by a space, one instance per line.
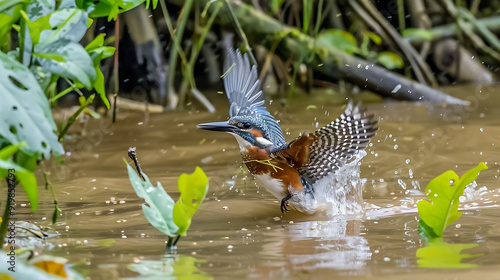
x=286 y=169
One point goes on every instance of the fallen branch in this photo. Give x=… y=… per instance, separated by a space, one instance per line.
x=329 y=61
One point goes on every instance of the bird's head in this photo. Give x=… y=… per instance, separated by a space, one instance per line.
x=249 y=121
x=249 y=131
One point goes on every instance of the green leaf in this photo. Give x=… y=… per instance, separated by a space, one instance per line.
x=425 y=231
x=10 y=150
x=390 y=60
x=155 y=3
x=439 y=254
x=98 y=52
x=9 y=14
x=25 y=176
x=109 y=8
x=159 y=208
x=25 y=114
x=77 y=64
x=41 y=8
x=373 y=37
x=276 y=5
x=417 y=33
x=444 y=192
x=193 y=188
x=338 y=39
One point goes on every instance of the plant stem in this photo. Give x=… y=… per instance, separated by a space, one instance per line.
x=115 y=65
x=176 y=240
x=401 y=16
x=72 y=119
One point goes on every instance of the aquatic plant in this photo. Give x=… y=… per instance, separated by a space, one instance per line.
x=173 y=219
x=444 y=192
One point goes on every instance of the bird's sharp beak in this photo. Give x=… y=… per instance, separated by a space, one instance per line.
x=217 y=126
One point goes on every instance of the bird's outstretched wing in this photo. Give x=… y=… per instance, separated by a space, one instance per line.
x=336 y=143
x=245 y=96
x=318 y=154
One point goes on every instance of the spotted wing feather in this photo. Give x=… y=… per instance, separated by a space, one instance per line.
x=337 y=142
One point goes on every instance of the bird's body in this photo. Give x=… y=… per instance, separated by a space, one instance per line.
x=286 y=169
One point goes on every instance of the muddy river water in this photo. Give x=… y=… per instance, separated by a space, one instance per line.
x=239 y=231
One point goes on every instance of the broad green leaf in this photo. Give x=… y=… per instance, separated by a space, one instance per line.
x=390 y=60
x=25 y=114
x=34 y=11
x=25 y=176
x=444 y=192
x=159 y=208
x=40 y=8
x=77 y=66
x=338 y=39
x=193 y=188
x=65 y=24
x=439 y=254
x=417 y=33
x=109 y=8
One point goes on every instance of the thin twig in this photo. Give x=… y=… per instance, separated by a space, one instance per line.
x=132 y=154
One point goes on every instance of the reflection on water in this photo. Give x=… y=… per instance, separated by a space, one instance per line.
x=239 y=229
x=338 y=245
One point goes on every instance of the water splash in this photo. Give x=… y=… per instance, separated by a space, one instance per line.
x=340 y=193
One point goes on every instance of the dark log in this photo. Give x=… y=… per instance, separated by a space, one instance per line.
x=331 y=62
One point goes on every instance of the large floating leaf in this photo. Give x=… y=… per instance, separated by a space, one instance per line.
x=439 y=254
x=160 y=206
x=25 y=113
x=22 y=170
x=193 y=188
x=444 y=192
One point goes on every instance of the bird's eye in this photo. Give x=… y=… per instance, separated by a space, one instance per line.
x=245 y=125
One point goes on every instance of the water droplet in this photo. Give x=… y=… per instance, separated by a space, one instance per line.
x=386 y=259
x=452 y=183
